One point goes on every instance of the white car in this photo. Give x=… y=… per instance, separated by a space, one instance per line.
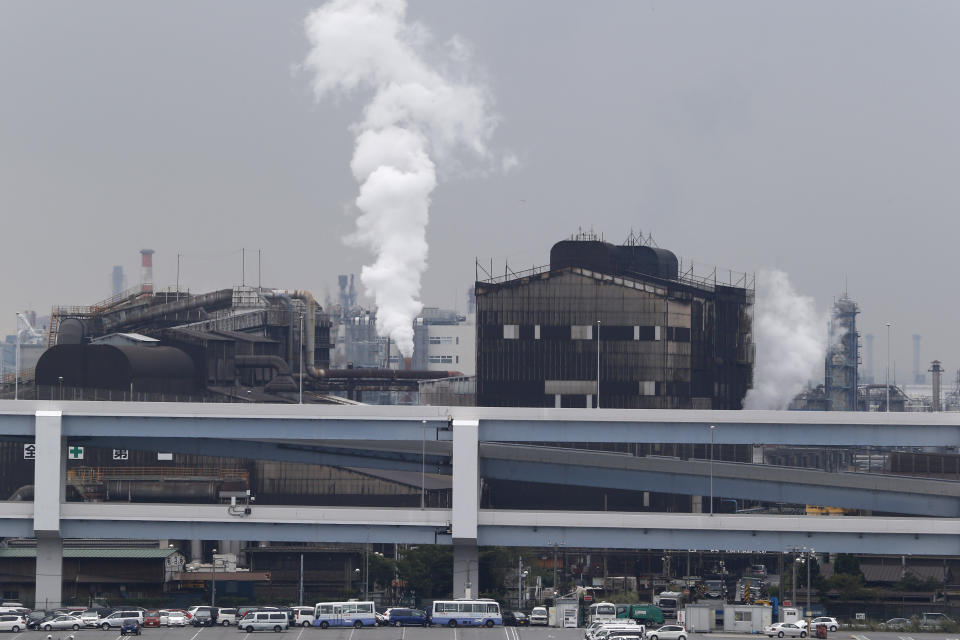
x=13 y=622
x=539 y=615
x=668 y=632
x=226 y=616
x=173 y=618
x=830 y=623
x=781 y=629
x=62 y=622
x=90 y=618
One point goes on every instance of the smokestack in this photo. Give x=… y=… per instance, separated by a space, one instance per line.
x=936 y=370
x=116 y=280
x=407 y=364
x=146 y=270
x=868 y=359
x=917 y=378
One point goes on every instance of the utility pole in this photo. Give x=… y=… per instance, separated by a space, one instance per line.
x=301 y=580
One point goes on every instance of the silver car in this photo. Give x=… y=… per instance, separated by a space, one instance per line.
x=781 y=629
x=62 y=622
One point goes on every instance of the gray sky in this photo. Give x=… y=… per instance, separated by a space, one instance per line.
x=819 y=138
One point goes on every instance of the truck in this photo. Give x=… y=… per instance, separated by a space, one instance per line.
x=669 y=603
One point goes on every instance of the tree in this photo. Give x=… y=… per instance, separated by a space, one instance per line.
x=428 y=570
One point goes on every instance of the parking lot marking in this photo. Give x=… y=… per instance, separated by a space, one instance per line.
x=905 y=637
x=196 y=634
x=301 y=632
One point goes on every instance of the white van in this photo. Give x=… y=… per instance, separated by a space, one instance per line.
x=303 y=616
x=263 y=621
x=226 y=616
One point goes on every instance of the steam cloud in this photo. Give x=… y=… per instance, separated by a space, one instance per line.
x=416 y=117
x=791 y=340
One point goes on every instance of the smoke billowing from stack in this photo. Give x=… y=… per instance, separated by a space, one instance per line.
x=791 y=340
x=416 y=118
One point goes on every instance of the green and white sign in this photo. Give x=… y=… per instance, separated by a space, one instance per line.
x=75 y=452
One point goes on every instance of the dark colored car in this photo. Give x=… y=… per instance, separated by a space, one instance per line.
x=36 y=618
x=403 y=617
x=151 y=618
x=130 y=627
x=515 y=619
x=202 y=619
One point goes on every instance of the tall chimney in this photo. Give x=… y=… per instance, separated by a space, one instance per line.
x=916 y=360
x=146 y=270
x=936 y=370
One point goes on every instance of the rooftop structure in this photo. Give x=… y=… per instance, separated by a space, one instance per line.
x=613 y=326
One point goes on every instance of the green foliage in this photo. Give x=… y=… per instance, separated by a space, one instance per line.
x=846 y=563
x=850 y=587
x=428 y=570
x=911 y=582
x=382 y=570
x=773 y=591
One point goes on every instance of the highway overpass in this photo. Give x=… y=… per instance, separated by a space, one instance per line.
x=472 y=435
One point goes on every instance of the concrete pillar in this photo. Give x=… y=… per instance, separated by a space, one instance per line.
x=49 y=572
x=50 y=470
x=196 y=551
x=465 y=570
x=696 y=504
x=466 y=506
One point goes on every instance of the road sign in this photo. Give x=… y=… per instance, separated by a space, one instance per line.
x=75 y=452
x=121 y=454
x=29 y=451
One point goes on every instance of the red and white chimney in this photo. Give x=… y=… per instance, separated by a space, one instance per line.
x=146 y=270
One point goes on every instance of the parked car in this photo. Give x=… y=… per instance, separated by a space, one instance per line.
x=36 y=618
x=91 y=617
x=118 y=618
x=539 y=615
x=194 y=610
x=781 y=629
x=151 y=618
x=830 y=623
x=303 y=616
x=263 y=621
x=402 y=617
x=175 y=618
x=897 y=624
x=203 y=619
x=932 y=621
x=226 y=616
x=130 y=627
x=515 y=619
x=12 y=622
x=61 y=622
x=668 y=632
x=381 y=617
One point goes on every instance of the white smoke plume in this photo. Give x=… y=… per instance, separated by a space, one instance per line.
x=791 y=342
x=417 y=117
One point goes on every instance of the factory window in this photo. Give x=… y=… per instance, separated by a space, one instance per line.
x=648 y=388
x=743 y=616
x=656 y=332
x=441 y=340
x=511 y=331
x=458 y=339
x=536 y=332
x=581 y=332
x=458 y=359
x=441 y=359
x=11 y=595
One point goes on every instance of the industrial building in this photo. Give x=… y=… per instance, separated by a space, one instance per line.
x=843 y=357
x=615 y=327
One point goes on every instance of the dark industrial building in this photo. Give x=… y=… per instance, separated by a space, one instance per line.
x=615 y=324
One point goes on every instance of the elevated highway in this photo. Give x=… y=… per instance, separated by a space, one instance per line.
x=472 y=442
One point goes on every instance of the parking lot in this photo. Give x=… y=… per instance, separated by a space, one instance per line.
x=415 y=633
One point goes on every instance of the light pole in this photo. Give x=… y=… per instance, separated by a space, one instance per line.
x=809 y=567
x=598 y=364
x=423 y=466
x=887 y=374
x=213 y=588
x=301 y=358
x=521 y=574
x=16 y=365
x=301 y=580
x=713 y=429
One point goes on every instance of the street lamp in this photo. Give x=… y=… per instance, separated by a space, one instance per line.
x=598 y=364
x=301 y=358
x=887 y=374
x=60 y=378
x=713 y=429
x=213 y=589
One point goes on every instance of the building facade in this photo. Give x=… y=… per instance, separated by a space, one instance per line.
x=614 y=326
